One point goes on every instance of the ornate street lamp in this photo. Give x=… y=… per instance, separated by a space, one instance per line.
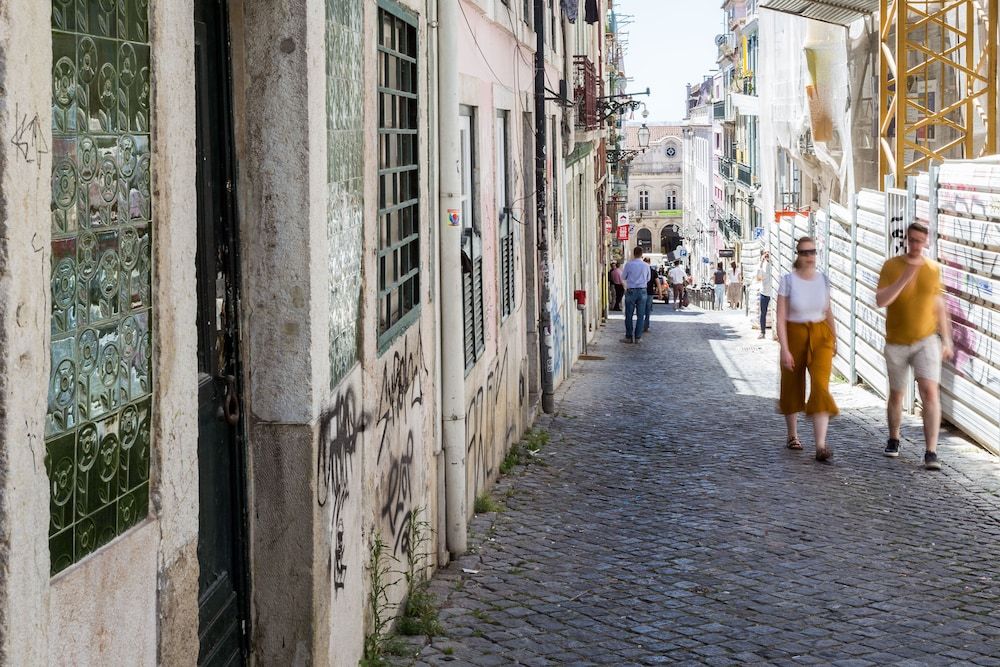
x=623 y=155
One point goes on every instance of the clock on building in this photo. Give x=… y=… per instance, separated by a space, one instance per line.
x=671 y=151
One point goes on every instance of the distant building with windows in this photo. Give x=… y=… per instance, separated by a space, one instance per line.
x=656 y=187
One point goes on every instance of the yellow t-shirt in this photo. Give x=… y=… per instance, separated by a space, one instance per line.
x=913 y=315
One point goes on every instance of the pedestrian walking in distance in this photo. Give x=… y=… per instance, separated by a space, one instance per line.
x=678 y=280
x=808 y=337
x=766 y=290
x=734 y=286
x=615 y=277
x=652 y=290
x=917 y=336
x=719 y=283
x=635 y=275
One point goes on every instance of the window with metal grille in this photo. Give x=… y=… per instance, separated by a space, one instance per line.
x=398 y=174
x=506 y=224
x=643 y=200
x=472 y=246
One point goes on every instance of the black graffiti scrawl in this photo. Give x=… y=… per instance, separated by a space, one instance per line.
x=491 y=421
x=341 y=429
x=398 y=424
x=401 y=391
x=397 y=485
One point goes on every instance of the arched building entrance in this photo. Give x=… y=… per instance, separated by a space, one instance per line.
x=669 y=239
x=644 y=239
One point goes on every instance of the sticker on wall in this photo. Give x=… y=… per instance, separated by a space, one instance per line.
x=454 y=217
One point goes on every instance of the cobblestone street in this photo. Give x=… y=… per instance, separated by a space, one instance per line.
x=667 y=524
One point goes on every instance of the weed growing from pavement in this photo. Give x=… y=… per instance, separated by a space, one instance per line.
x=481 y=615
x=525 y=451
x=379 y=581
x=448 y=650
x=420 y=614
x=485 y=503
x=396 y=647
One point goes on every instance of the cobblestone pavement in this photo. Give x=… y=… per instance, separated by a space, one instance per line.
x=669 y=525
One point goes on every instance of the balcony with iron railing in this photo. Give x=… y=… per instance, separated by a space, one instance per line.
x=726 y=168
x=744 y=174
x=731 y=227
x=586 y=93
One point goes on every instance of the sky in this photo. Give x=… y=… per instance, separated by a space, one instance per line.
x=670 y=43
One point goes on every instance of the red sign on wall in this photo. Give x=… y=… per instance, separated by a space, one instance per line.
x=607 y=224
x=623 y=233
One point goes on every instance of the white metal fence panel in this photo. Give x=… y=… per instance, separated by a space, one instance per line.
x=839 y=263
x=868 y=325
x=961 y=204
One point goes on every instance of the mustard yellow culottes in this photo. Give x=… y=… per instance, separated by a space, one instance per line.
x=811 y=345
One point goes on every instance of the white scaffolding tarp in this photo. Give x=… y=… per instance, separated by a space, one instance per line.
x=838 y=12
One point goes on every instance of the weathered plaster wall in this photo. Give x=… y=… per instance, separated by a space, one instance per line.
x=400 y=464
x=496 y=387
x=279 y=98
x=162 y=554
x=103 y=612
x=174 y=466
x=341 y=531
x=25 y=193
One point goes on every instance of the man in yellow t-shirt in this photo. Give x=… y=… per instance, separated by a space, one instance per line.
x=909 y=287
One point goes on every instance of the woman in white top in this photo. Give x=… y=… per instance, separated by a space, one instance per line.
x=807 y=334
x=734 y=286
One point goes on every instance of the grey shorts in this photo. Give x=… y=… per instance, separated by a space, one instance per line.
x=924 y=357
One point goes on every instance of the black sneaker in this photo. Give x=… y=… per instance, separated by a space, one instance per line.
x=931 y=461
x=891 y=448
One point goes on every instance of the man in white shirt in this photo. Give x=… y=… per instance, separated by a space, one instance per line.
x=766 y=289
x=635 y=275
x=677 y=280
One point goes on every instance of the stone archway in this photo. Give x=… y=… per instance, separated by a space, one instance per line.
x=669 y=238
x=644 y=239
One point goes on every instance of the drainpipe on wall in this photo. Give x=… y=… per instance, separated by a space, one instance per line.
x=450 y=298
x=433 y=175
x=541 y=192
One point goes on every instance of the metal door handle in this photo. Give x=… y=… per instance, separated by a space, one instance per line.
x=231 y=403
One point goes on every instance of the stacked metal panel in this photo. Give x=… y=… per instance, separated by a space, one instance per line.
x=836 y=230
x=961 y=204
x=869 y=254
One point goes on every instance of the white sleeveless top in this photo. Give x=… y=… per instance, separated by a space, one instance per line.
x=807 y=299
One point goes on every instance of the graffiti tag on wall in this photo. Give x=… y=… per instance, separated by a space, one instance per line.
x=401 y=392
x=491 y=420
x=341 y=430
x=28 y=138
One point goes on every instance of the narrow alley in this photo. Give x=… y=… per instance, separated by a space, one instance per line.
x=665 y=523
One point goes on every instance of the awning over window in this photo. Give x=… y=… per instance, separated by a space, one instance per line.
x=840 y=12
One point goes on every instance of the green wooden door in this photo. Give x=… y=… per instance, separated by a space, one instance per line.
x=223 y=581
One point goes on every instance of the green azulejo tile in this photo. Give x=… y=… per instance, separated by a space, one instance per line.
x=99 y=402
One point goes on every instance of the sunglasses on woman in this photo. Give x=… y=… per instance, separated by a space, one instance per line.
x=808 y=252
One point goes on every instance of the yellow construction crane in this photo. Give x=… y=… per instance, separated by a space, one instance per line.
x=938 y=83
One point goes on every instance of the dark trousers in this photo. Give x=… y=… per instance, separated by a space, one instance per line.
x=619 y=293
x=678 y=295
x=765 y=301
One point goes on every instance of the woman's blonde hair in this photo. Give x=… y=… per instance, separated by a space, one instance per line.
x=798 y=244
